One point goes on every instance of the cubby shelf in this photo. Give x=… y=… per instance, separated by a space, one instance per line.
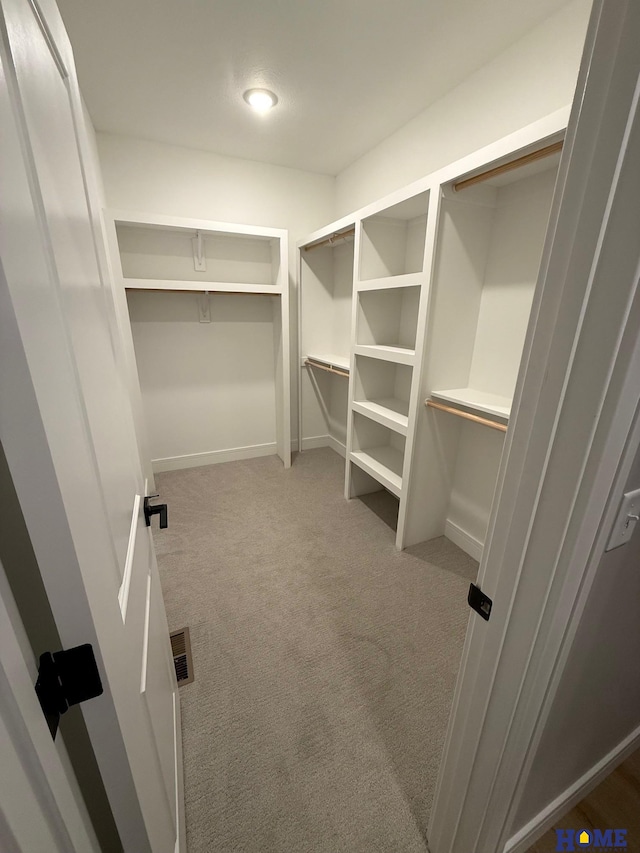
x=384 y=464
x=476 y=402
x=391 y=282
x=399 y=355
x=389 y=412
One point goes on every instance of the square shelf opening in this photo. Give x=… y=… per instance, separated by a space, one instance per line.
x=393 y=240
x=388 y=317
x=382 y=390
x=379 y=451
x=170 y=254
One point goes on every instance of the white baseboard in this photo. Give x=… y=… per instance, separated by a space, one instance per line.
x=544 y=820
x=315 y=441
x=213 y=457
x=469 y=544
x=312 y=442
x=338 y=446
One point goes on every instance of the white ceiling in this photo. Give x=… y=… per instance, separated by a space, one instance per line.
x=347 y=72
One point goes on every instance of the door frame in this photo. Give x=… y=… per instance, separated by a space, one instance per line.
x=572 y=437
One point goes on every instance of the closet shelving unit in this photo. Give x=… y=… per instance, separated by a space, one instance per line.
x=492 y=221
x=444 y=276
x=325 y=298
x=394 y=240
x=164 y=254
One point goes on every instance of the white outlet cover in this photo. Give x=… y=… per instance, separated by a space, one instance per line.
x=624 y=524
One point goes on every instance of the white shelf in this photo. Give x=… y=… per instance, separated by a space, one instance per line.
x=199 y=286
x=389 y=412
x=398 y=355
x=477 y=402
x=384 y=464
x=413 y=279
x=175 y=223
x=341 y=362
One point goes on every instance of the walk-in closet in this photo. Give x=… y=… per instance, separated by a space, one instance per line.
x=303 y=242
x=361 y=437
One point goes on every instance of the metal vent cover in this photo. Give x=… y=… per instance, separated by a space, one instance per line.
x=182 y=659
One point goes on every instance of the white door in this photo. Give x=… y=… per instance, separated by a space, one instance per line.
x=39 y=811
x=67 y=430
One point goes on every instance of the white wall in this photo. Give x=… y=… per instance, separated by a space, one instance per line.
x=157 y=178
x=207 y=388
x=529 y=80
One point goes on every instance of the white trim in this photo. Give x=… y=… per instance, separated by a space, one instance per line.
x=204 y=286
x=129 y=217
x=213 y=457
x=181 y=832
x=469 y=544
x=338 y=446
x=315 y=441
x=312 y=442
x=123 y=593
x=234 y=454
x=545 y=819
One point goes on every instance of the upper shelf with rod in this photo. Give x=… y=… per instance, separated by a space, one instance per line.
x=167 y=253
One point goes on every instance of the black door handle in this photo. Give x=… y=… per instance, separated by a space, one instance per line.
x=156 y=509
x=66 y=678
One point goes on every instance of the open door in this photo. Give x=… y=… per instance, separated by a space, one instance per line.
x=67 y=431
x=568 y=452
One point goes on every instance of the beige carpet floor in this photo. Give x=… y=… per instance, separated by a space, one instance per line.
x=325 y=661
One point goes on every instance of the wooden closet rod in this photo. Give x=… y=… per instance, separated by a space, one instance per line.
x=467 y=415
x=330 y=241
x=507 y=167
x=326 y=367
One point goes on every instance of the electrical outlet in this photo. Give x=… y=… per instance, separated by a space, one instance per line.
x=626 y=520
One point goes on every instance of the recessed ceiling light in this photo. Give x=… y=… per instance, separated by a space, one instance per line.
x=261 y=100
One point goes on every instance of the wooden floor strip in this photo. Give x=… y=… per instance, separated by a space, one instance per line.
x=613 y=804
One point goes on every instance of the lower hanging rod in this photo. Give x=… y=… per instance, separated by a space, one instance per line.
x=330 y=369
x=466 y=415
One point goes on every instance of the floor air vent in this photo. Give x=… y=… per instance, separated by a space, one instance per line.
x=182 y=660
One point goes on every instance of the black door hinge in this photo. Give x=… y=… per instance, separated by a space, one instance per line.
x=66 y=678
x=479 y=602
